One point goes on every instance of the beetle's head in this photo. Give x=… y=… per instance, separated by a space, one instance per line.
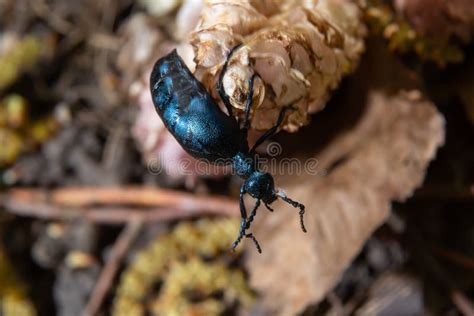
x=260 y=185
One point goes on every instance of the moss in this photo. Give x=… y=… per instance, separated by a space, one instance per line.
x=403 y=39
x=186 y=263
x=18 y=131
x=21 y=56
x=13 y=299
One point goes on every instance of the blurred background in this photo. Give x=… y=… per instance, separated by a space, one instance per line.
x=103 y=213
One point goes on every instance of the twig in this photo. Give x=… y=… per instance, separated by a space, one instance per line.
x=462 y=303
x=440 y=193
x=109 y=216
x=138 y=196
x=336 y=304
x=104 y=41
x=106 y=277
x=115 y=205
x=455 y=257
x=435 y=270
x=55 y=21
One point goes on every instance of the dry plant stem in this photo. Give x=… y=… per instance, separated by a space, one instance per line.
x=137 y=196
x=105 y=215
x=435 y=270
x=462 y=303
x=461 y=259
x=115 y=205
x=121 y=246
x=431 y=193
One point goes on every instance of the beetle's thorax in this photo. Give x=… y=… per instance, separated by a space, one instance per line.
x=244 y=165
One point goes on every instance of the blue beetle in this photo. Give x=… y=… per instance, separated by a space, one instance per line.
x=194 y=118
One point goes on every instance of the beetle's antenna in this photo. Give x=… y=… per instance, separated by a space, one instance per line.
x=269 y=133
x=295 y=204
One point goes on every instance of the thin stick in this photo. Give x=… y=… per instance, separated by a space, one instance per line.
x=431 y=265
x=65 y=204
x=107 y=275
x=455 y=257
x=462 y=303
x=137 y=196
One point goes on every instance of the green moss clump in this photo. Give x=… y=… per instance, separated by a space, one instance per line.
x=18 y=131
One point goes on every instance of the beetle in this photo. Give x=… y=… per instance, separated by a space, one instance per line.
x=195 y=119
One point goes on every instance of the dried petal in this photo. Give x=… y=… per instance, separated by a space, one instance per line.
x=300 y=50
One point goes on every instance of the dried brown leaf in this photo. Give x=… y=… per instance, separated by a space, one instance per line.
x=386 y=156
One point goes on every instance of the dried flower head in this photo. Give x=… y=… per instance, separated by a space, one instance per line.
x=299 y=49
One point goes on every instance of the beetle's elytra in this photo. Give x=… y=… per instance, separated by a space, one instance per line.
x=194 y=118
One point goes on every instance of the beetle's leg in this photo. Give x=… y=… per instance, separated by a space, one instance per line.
x=220 y=86
x=297 y=205
x=247 y=226
x=252 y=214
x=243 y=223
x=251 y=236
x=270 y=132
x=268 y=207
x=248 y=105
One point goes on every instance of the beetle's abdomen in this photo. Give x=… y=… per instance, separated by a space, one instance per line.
x=190 y=114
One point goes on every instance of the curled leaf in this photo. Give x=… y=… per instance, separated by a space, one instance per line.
x=385 y=158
